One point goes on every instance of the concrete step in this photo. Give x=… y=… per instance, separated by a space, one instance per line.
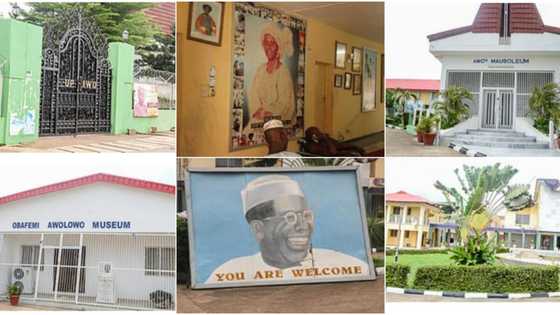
x=493 y=132
x=495 y=138
x=496 y=144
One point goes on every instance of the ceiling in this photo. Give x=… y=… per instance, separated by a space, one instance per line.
x=365 y=19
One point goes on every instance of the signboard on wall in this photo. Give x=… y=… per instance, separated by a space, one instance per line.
x=263 y=226
x=146 y=102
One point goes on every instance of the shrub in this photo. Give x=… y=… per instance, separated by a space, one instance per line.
x=391 y=252
x=487 y=278
x=502 y=250
x=397 y=275
x=477 y=251
x=183 y=272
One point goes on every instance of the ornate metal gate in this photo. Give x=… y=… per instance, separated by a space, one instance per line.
x=76 y=77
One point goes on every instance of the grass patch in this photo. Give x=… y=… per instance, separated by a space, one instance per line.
x=416 y=261
x=378 y=262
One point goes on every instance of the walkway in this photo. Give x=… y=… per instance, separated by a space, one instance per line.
x=399 y=143
x=347 y=297
x=99 y=143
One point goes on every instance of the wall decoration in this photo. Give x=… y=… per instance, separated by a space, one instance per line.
x=146 y=101
x=356 y=59
x=357 y=84
x=206 y=22
x=340 y=55
x=348 y=80
x=369 y=79
x=338 y=80
x=268 y=73
x=242 y=238
x=382 y=96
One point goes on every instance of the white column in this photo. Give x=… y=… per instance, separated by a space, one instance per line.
x=420 y=228
x=40 y=262
x=403 y=222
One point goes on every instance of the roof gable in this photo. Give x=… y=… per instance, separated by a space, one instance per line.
x=403 y=196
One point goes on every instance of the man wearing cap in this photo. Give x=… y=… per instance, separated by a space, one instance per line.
x=282 y=223
x=277 y=142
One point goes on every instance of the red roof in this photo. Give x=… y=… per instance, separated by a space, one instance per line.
x=413 y=84
x=163 y=15
x=403 y=196
x=91 y=179
x=523 y=18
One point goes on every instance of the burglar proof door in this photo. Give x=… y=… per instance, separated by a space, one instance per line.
x=68 y=269
x=497 y=109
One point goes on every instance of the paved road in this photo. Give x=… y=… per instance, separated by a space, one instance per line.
x=99 y=143
x=399 y=143
x=348 y=297
x=394 y=297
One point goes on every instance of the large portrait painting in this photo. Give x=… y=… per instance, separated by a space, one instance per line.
x=368 y=81
x=268 y=73
x=273 y=226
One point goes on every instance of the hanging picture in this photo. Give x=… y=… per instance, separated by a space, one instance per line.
x=368 y=79
x=348 y=80
x=268 y=73
x=357 y=86
x=356 y=59
x=338 y=79
x=205 y=22
x=340 y=55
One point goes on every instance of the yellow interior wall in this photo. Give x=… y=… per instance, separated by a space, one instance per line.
x=203 y=127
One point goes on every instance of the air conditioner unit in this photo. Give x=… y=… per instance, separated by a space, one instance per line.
x=105 y=283
x=23 y=278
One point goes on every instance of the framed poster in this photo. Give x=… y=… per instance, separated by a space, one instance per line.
x=277 y=226
x=356 y=59
x=357 y=84
x=340 y=55
x=347 y=80
x=206 y=22
x=146 y=100
x=268 y=73
x=368 y=79
x=338 y=79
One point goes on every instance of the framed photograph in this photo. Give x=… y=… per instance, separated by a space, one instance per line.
x=357 y=86
x=369 y=79
x=348 y=80
x=243 y=238
x=340 y=55
x=356 y=59
x=338 y=80
x=206 y=22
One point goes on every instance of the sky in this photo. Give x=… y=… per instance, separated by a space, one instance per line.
x=21 y=171
x=408 y=22
x=418 y=175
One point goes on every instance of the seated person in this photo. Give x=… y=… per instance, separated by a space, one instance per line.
x=277 y=140
x=322 y=144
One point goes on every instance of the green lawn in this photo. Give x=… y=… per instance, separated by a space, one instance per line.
x=420 y=260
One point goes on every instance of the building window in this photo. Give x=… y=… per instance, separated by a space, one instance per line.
x=505 y=32
x=406 y=234
x=30 y=257
x=225 y=162
x=522 y=219
x=159 y=261
x=396 y=210
x=393 y=233
x=408 y=211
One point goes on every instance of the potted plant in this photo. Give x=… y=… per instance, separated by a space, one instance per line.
x=429 y=130
x=423 y=128
x=14 y=292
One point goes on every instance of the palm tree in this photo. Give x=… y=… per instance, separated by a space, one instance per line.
x=401 y=98
x=452 y=109
x=544 y=106
x=479 y=198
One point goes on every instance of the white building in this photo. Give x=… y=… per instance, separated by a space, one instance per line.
x=99 y=240
x=500 y=59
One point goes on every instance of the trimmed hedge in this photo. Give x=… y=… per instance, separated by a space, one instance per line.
x=391 y=252
x=397 y=275
x=488 y=278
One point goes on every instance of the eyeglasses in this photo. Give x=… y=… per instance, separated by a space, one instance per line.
x=291 y=217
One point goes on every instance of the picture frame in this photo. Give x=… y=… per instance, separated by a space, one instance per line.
x=369 y=79
x=357 y=84
x=206 y=22
x=356 y=59
x=340 y=50
x=338 y=80
x=347 y=80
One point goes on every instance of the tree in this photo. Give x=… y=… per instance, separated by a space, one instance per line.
x=452 y=109
x=479 y=197
x=160 y=55
x=401 y=98
x=113 y=18
x=544 y=106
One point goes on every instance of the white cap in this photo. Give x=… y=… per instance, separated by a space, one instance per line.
x=272 y=124
x=266 y=188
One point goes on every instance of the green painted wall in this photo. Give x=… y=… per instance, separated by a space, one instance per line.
x=21 y=48
x=121 y=56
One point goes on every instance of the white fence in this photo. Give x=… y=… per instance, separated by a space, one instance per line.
x=115 y=270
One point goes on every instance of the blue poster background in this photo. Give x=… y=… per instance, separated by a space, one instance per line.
x=221 y=232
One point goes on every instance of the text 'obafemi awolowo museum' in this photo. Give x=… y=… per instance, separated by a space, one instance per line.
x=500 y=59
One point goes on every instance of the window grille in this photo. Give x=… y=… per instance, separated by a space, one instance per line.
x=470 y=81
x=160 y=261
x=498 y=79
x=30 y=257
x=526 y=84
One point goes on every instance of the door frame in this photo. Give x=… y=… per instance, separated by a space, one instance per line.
x=498 y=105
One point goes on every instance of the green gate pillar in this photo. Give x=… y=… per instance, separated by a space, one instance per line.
x=121 y=57
x=21 y=55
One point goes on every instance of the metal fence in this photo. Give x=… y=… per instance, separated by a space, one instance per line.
x=134 y=271
x=163 y=83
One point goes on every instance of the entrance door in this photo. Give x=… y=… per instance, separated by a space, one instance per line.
x=497 y=109
x=69 y=270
